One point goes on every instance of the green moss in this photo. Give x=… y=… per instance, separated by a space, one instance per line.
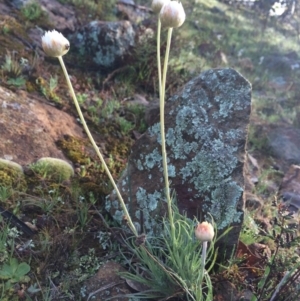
x=92 y=177
x=11 y=175
x=74 y=149
x=53 y=169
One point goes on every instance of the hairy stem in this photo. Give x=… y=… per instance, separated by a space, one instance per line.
x=162 y=131
x=130 y=223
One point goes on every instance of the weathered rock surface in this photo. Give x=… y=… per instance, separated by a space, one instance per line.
x=279 y=63
x=105 y=44
x=285 y=144
x=29 y=128
x=63 y=16
x=128 y=10
x=206 y=129
x=107 y=283
x=290 y=188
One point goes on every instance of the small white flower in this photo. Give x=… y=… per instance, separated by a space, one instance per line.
x=55 y=44
x=172 y=14
x=157 y=5
x=204 y=231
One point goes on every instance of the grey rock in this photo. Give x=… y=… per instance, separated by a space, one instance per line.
x=105 y=44
x=252 y=201
x=128 y=2
x=284 y=143
x=107 y=283
x=62 y=15
x=206 y=128
x=278 y=63
x=128 y=10
x=20 y=3
x=290 y=188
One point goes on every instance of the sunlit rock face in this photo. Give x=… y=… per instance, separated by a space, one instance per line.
x=206 y=130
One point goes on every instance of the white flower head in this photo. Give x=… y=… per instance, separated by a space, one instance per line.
x=157 y=5
x=55 y=44
x=172 y=14
x=204 y=231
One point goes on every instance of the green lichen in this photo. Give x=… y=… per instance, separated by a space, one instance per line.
x=211 y=165
x=203 y=143
x=106 y=54
x=203 y=149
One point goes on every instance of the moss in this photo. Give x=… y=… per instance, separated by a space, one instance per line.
x=53 y=169
x=94 y=177
x=74 y=149
x=11 y=175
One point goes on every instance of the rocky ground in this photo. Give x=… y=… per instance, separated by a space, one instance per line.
x=116 y=84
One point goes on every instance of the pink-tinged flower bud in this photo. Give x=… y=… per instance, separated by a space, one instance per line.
x=172 y=14
x=55 y=44
x=204 y=231
x=157 y=5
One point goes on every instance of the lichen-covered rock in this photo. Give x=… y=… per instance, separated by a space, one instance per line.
x=105 y=44
x=206 y=130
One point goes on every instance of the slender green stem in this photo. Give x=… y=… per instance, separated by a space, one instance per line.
x=202 y=270
x=158 y=56
x=203 y=258
x=130 y=223
x=162 y=131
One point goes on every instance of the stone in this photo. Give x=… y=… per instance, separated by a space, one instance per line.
x=278 y=63
x=107 y=283
x=128 y=10
x=105 y=44
x=20 y=3
x=29 y=127
x=62 y=16
x=252 y=201
x=284 y=143
x=290 y=188
x=206 y=129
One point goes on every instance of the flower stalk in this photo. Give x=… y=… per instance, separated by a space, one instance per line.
x=171 y=14
x=56 y=45
x=204 y=232
x=130 y=223
x=162 y=130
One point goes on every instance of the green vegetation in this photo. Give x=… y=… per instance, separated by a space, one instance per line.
x=72 y=241
x=32 y=10
x=101 y=9
x=12 y=71
x=53 y=169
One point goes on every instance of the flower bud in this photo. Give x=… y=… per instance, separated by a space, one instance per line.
x=55 y=44
x=157 y=5
x=172 y=14
x=204 y=231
